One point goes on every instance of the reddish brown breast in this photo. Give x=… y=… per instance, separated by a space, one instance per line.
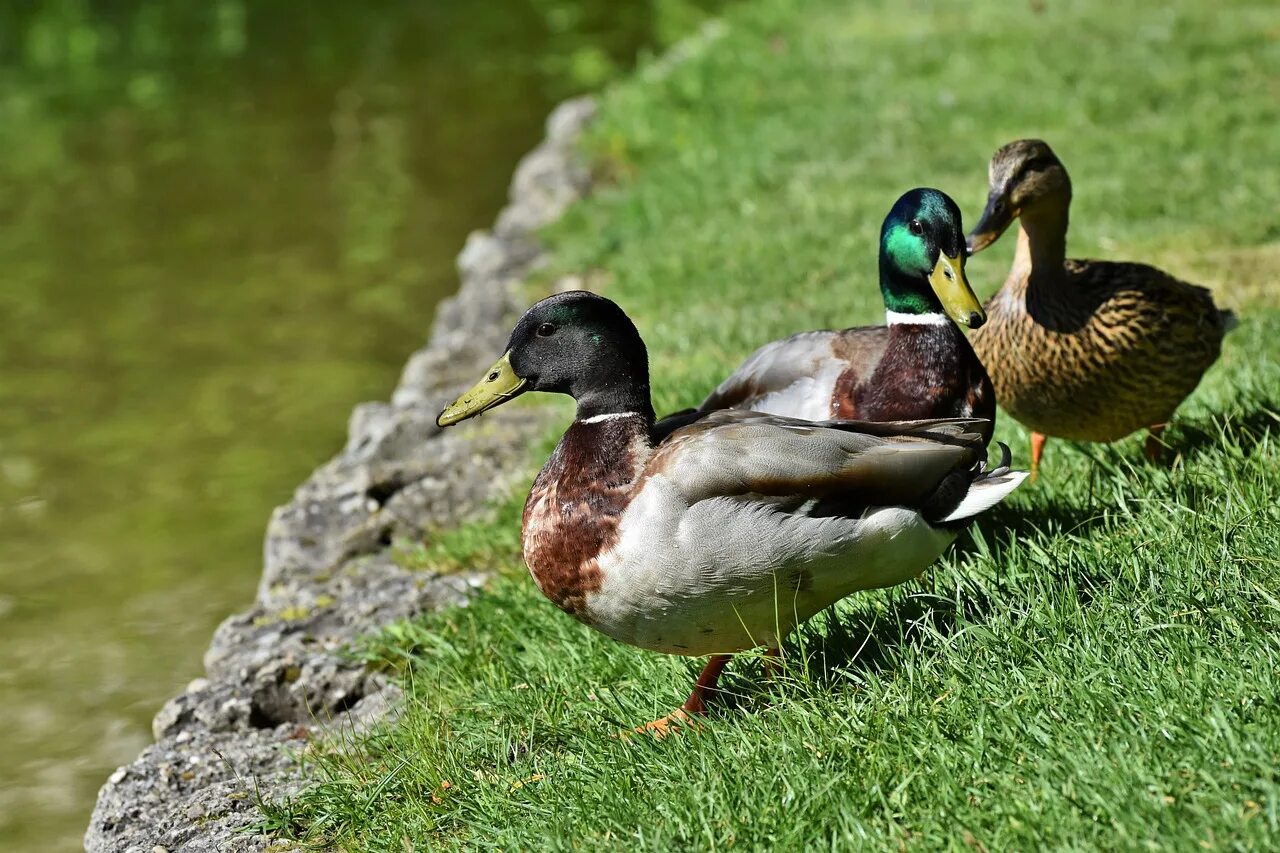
x=926 y=371
x=571 y=515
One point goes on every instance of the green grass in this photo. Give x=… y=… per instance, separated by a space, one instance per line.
x=1095 y=664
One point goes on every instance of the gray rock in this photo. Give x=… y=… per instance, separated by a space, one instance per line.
x=275 y=675
x=546 y=182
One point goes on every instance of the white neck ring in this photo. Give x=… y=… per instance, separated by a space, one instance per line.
x=895 y=318
x=612 y=416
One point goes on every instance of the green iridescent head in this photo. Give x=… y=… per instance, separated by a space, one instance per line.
x=922 y=255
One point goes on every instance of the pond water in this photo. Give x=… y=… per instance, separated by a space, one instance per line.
x=221 y=226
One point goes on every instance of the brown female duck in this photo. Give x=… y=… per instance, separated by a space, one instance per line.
x=1083 y=349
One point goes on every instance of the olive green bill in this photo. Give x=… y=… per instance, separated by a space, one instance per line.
x=996 y=217
x=499 y=385
x=953 y=291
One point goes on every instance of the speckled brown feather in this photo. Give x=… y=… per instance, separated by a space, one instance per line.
x=1083 y=349
x=1103 y=350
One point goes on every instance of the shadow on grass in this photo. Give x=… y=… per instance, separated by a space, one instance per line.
x=850 y=647
x=840 y=649
x=858 y=645
x=868 y=642
x=1246 y=425
x=853 y=648
x=1248 y=422
x=1045 y=517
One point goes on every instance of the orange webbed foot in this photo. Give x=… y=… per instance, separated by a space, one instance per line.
x=695 y=705
x=673 y=723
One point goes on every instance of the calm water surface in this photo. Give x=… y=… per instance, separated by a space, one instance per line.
x=221 y=225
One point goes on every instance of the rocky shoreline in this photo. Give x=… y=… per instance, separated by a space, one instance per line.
x=275 y=675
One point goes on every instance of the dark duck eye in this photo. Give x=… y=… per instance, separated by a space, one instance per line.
x=546 y=330
x=916 y=228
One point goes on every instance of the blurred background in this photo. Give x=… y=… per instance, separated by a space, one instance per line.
x=222 y=224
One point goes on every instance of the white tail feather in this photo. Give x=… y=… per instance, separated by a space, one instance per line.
x=984 y=494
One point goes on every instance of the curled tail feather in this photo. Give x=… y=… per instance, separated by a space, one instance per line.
x=987 y=489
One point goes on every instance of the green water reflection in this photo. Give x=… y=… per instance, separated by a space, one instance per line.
x=221 y=225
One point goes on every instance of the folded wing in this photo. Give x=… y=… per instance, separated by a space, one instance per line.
x=729 y=453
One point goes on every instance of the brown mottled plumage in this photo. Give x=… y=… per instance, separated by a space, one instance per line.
x=1083 y=349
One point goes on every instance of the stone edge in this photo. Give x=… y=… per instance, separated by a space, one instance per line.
x=275 y=675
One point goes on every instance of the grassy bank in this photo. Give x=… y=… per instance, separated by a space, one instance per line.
x=1095 y=665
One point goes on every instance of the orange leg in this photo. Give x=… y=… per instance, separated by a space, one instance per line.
x=695 y=705
x=1038 y=440
x=1155 y=448
x=705 y=686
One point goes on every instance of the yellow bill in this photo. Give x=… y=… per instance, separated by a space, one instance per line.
x=499 y=385
x=953 y=291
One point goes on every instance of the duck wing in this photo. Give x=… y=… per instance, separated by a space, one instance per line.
x=730 y=453
x=798 y=374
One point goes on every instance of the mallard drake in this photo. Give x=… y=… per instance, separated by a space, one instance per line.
x=1084 y=350
x=919 y=365
x=711 y=533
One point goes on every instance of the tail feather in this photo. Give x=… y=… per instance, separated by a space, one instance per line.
x=988 y=489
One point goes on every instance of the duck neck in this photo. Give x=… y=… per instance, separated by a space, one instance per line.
x=595 y=464
x=607 y=449
x=595 y=410
x=1042 y=243
x=908 y=324
x=627 y=393
x=907 y=298
x=926 y=338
